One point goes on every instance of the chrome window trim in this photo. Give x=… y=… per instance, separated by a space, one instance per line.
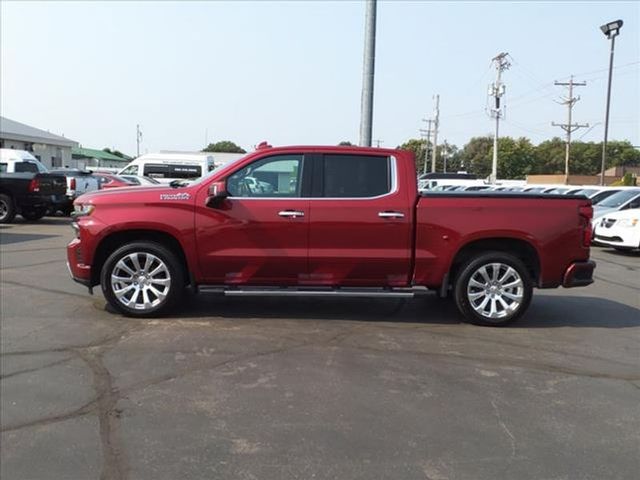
x=394 y=189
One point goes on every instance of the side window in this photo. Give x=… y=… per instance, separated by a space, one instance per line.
x=635 y=203
x=22 y=167
x=130 y=170
x=3 y=168
x=277 y=176
x=356 y=176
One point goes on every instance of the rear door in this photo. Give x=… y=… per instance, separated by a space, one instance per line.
x=259 y=234
x=361 y=230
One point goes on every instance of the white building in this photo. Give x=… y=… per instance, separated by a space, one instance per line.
x=52 y=150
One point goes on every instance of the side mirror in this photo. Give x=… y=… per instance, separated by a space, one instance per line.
x=217 y=193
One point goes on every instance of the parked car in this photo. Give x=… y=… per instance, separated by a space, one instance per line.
x=78 y=182
x=26 y=187
x=137 y=180
x=338 y=221
x=623 y=200
x=620 y=230
x=108 y=180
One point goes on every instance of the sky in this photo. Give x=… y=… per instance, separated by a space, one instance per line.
x=291 y=72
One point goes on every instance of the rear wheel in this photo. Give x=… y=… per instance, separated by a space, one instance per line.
x=493 y=289
x=7 y=209
x=142 y=279
x=33 y=214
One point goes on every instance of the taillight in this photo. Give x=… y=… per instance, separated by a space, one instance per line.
x=34 y=185
x=586 y=214
x=72 y=184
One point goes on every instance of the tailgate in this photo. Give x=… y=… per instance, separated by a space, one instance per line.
x=51 y=184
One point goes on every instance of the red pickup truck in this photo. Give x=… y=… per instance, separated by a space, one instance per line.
x=328 y=221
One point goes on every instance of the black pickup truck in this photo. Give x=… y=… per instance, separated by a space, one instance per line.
x=31 y=195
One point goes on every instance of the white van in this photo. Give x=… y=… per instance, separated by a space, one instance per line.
x=19 y=161
x=166 y=166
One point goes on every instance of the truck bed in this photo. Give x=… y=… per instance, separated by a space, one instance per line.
x=549 y=227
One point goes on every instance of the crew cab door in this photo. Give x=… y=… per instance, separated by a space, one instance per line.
x=361 y=230
x=259 y=234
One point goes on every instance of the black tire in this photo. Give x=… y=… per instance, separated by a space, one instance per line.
x=473 y=309
x=33 y=214
x=7 y=209
x=141 y=251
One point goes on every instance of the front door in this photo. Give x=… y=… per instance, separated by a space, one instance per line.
x=259 y=234
x=362 y=223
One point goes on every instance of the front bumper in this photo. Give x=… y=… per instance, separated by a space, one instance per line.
x=78 y=270
x=579 y=274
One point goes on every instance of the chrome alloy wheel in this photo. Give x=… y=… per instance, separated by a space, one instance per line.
x=140 y=280
x=495 y=290
x=4 y=209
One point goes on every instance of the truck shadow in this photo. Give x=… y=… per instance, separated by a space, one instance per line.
x=8 y=238
x=546 y=311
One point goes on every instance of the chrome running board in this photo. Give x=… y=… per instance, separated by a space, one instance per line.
x=312 y=292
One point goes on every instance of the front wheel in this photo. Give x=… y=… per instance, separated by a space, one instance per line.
x=493 y=289
x=142 y=279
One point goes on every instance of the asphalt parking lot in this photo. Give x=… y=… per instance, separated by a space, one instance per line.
x=308 y=388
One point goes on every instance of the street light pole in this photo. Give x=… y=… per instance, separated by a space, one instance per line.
x=366 y=111
x=611 y=30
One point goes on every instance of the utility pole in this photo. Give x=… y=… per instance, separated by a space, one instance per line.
x=496 y=90
x=444 y=156
x=138 y=140
x=436 y=124
x=366 y=112
x=426 y=132
x=569 y=127
x=378 y=142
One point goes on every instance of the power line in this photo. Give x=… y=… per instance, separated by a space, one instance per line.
x=569 y=127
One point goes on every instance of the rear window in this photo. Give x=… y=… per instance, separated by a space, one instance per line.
x=22 y=167
x=172 y=171
x=356 y=176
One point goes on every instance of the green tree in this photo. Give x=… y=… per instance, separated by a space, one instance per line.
x=115 y=152
x=516 y=158
x=550 y=157
x=417 y=146
x=475 y=156
x=224 y=146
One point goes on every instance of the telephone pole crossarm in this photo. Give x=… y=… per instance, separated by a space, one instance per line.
x=569 y=127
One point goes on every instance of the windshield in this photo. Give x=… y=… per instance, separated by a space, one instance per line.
x=618 y=199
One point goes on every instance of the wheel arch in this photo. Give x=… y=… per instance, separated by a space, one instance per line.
x=517 y=247
x=115 y=240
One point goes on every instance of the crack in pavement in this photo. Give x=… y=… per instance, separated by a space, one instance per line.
x=32 y=265
x=114 y=463
x=499 y=362
x=35 y=369
x=43 y=289
x=612 y=282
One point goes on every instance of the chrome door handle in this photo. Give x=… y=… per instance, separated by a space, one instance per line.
x=291 y=213
x=391 y=214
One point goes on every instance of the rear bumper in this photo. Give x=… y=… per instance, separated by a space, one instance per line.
x=579 y=274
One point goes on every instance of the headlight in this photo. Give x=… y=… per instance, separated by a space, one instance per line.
x=83 y=210
x=628 y=222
